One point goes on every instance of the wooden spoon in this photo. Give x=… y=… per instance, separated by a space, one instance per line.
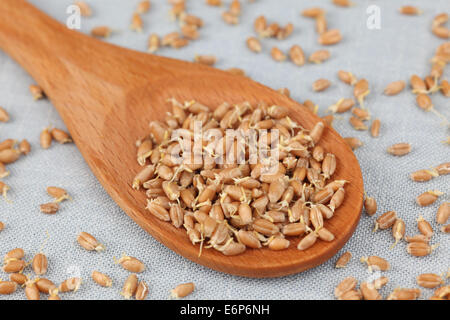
x=107 y=95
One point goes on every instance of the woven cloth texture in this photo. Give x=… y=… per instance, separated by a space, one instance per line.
x=401 y=47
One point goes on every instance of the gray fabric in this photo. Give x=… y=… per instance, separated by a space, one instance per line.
x=401 y=47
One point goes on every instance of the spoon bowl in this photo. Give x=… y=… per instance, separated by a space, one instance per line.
x=107 y=95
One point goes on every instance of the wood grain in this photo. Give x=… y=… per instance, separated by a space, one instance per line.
x=107 y=95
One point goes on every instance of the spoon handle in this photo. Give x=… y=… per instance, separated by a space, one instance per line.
x=33 y=39
x=61 y=60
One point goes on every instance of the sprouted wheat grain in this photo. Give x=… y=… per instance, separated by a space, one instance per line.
x=231 y=206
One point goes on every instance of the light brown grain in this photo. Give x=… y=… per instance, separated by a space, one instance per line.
x=143 y=6
x=190 y=31
x=285 y=31
x=321 y=24
x=399 y=149
x=330 y=37
x=39 y=264
x=45 y=139
x=319 y=56
x=445 y=88
x=353 y=142
x=417 y=84
x=441 y=32
x=31 y=290
x=158 y=211
x=60 y=136
x=347 y=77
x=376 y=263
x=351 y=295
x=404 y=294
x=423 y=175
x=386 y=220
x=369 y=292
x=429 y=280
x=130 y=286
x=313 y=12
x=131 y=264
x=284 y=91
x=271 y=30
x=419 y=249
x=230 y=18
x=307 y=241
x=4 y=115
x=179 y=43
x=169 y=38
x=24 y=147
x=85 y=9
x=343 y=260
x=8 y=156
x=375 y=128
x=177 y=10
x=440 y=19
x=208 y=60
x=297 y=55
x=236 y=71
x=36 y=92
x=343 y=105
x=398 y=231
x=53 y=295
x=7 y=287
x=136 y=23
x=424 y=227
x=410 y=10
x=254 y=44
x=417 y=238
x=59 y=194
x=357 y=123
x=191 y=19
x=182 y=290
x=344 y=286
x=49 y=208
x=142 y=291
x=362 y=114
x=14 y=254
x=443 y=168
x=3 y=171
x=101 y=279
x=430 y=81
x=277 y=54
x=101 y=31
x=427 y=198
x=443 y=213
x=343 y=3
x=278 y=243
x=380 y=282
x=442 y=293
x=89 y=242
x=215 y=3
x=361 y=90
x=18 y=278
x=71 y=284
x=321 y=85
x=424 y=102
x=394 y=88
x=45 y=286
x=260 y=24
